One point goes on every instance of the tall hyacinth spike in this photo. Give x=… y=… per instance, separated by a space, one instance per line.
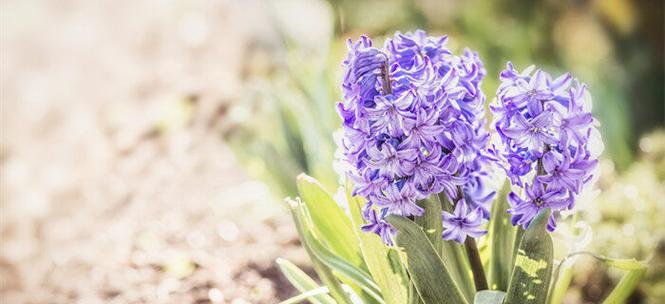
x=413 y=126
x=549 y=140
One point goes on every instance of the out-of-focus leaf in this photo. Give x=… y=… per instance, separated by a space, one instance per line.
x=563 y=280
x=390 y=276
x=428 y=273
x=489 y=297
x=340 y=266
x=636 y=269
x=501 y=234
x=531 y=275
x=300 y=217
x=624 y=264
x=628 y=282
x=306 y=295
x=302 y=282
x=329 y=221
x=456 y=261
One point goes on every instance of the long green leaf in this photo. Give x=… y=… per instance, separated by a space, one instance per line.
x=501 y=236
x=428 y=273
x=338 y=265
x=635 y=270
x=301 y=281
x=489 y=297
x=625 y=288
x=388 y=272
x=531 y=275
x=330 y=222
x=300 y=217
x=414 y=297
x=563 y=279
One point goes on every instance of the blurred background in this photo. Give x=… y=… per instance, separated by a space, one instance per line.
x=146 y=146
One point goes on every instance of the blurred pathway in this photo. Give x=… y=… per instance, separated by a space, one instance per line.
x=116 y=187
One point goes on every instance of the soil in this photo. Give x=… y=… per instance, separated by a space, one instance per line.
x=116 y=186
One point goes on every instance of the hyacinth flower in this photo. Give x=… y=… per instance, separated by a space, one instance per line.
x=413 y=118
x=462 y=222
x=548 y=141
x=413 y=133
x=419 y=171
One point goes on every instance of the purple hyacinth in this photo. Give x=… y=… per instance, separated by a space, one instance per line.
x=413 y=126
x=462 y=222
x=547 y=135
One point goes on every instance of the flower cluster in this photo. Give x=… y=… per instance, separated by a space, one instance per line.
x=413 y=116
x=548 y=136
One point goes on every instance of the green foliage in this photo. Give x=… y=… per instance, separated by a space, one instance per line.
x=357 y=267
x=382 y=261
x=501 y=233
x=430 y=277
x=301 y=281
x=332 y=224
x=532 y=272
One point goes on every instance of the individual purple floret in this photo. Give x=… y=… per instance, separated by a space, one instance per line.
x=548 y=138
x=413 y=126
x=462 y=222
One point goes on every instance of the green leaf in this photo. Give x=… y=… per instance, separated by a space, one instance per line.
x=624 y=264
x=489 y=297
x=636 y=269
x=382 y=261
x=428 y=273
x=306 y=295
x=531 y=275
x=430 y=221
x=501 y=237
x=302 y=221
x=563 y=279
x=301 y=281
x=358 y=276
x=414 y=297
x=625 y=288
x=331 y=224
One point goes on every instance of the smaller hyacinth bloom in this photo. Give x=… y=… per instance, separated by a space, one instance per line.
x=378 y=225
x=532 y=135
x=391 y=160
x=477 y=196
x=463 y=222
x=530 y=93
x=423 y=130
x=391 y=113
x=548 y=135
x=524 y=210
x=565 y=171
x=400 y=200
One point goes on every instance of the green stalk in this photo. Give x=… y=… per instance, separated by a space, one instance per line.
x=472 y=253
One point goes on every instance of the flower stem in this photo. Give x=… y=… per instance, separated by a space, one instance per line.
x=476 y=265
x=387 y=89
